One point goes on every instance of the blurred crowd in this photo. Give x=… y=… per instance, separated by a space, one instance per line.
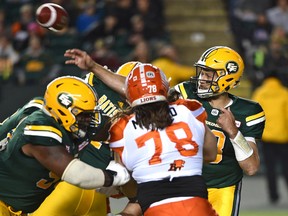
x=117 y=31
x=260 y=28
x=111 y=31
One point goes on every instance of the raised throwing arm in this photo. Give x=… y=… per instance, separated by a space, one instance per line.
x=85 y=62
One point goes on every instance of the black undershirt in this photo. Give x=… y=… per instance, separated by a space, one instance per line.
x=154 y=191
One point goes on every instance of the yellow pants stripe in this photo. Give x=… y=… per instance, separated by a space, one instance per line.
x=226 y=201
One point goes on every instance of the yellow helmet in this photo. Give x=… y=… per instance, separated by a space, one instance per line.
x=73 y=103
x=125 y=69
x=227 y=65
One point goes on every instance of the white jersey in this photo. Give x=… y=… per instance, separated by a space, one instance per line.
x=173 y=152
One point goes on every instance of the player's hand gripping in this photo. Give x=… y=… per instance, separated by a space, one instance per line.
x=226 y=121
x=120 y=173
x=79 y=58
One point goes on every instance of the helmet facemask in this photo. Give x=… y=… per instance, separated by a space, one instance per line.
x=86 y=122
x=206 y=87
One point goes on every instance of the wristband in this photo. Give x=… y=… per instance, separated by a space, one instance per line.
x=241 y=147
x=109 y=177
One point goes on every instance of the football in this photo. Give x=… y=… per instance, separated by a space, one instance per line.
x=52 y=16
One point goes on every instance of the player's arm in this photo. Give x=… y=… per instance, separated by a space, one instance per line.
x=131 y=209
x=251 y=165
x=130 y=188
x=246 y=152
x=210 y=145
x=130 y=191
x=85 y=62
x=74 y=171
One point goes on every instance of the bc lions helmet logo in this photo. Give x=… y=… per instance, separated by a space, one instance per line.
x=65 y=100
x=232 y=67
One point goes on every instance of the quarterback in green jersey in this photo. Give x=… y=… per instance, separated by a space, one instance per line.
x=235 y=121
x=38 y=147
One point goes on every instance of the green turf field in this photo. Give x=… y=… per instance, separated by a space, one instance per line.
x=264 y=213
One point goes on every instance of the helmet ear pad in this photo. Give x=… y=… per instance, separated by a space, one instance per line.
x=66 y=98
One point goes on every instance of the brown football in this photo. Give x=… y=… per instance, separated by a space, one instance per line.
x=52 y=16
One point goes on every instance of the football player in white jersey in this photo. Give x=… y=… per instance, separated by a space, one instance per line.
x=221 y=67
x=163 y=145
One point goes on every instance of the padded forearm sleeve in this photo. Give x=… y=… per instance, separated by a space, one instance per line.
x=83 y=175
x=241 y=147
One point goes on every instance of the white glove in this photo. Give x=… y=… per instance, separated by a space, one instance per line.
x=120 y=173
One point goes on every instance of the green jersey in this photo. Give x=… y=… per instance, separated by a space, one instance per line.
x=12 y=121
x=94 y=153
x=110 y=102
x=97 y=154
x=250 y=120
x=24 y=182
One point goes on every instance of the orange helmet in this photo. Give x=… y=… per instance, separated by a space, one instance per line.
x=146 y=84
x=127 y=67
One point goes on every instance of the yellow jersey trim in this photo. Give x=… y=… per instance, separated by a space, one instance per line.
x=256 y=116
x=90 y=78
x=44 y=128
x=183 y=91
x=96 y=144
x=38 y=101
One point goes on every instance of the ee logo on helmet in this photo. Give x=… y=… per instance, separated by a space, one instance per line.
x=232 y=67
x=65 y=100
